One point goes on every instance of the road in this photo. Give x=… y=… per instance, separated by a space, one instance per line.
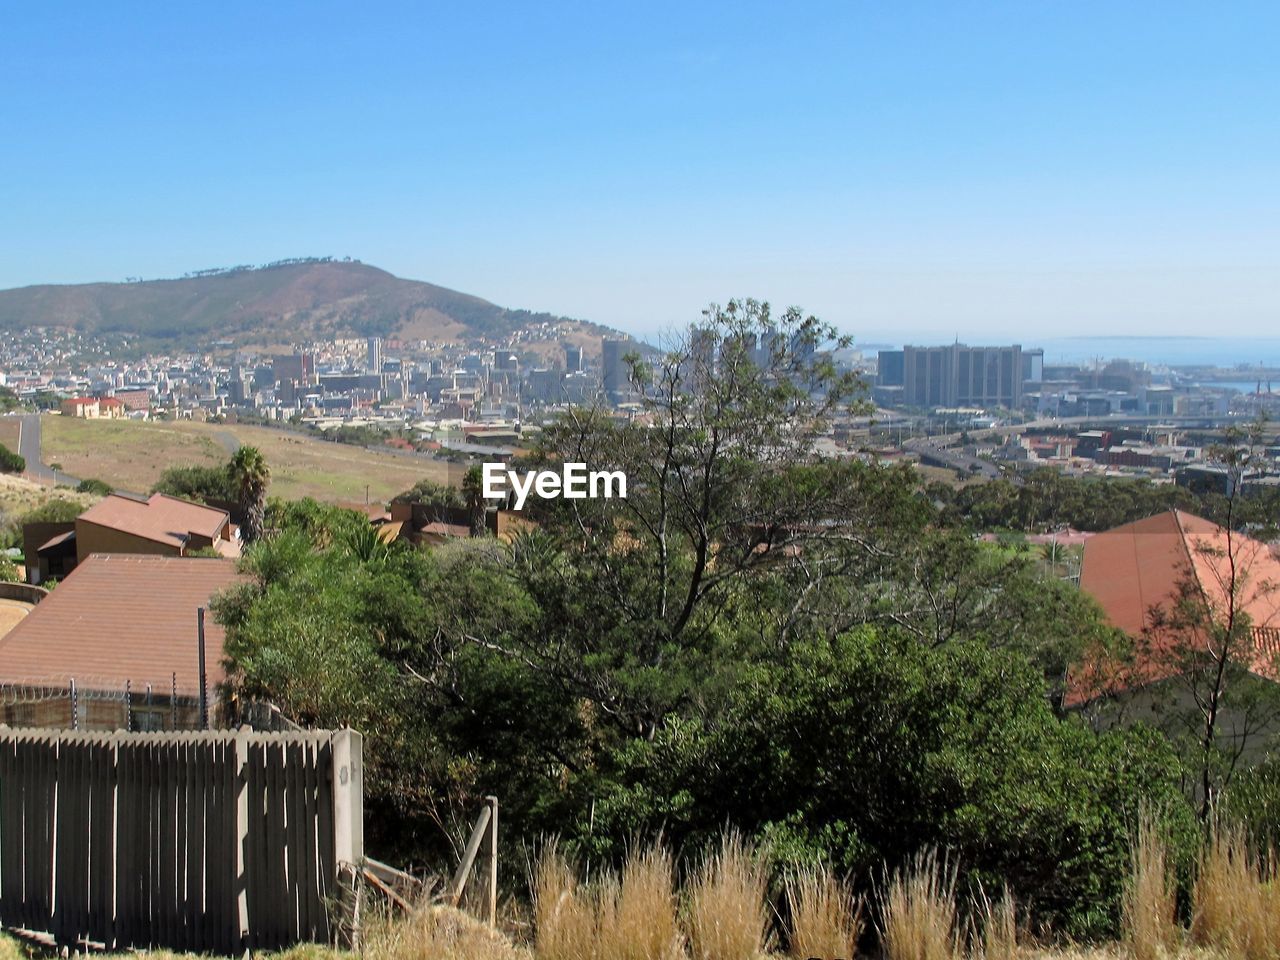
x=929 y=450
x=29 y=448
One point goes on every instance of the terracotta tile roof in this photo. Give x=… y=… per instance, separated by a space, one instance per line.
x=1134 y=568
x=120 y=617
x=161 y=518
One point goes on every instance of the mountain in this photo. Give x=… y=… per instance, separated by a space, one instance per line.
x=283 y=302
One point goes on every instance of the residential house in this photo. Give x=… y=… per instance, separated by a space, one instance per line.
x=116 y=646
x=1136 y=573
x=160 y=524
x=93 y=408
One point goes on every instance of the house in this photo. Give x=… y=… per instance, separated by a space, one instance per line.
x=93 y=408
x=116 y=646
x=84 y=407
x=1137 y=570
x=119 y=523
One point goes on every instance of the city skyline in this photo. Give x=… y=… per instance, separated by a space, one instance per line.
x=993 y=170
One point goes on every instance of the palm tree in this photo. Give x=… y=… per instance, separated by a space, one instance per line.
x=472 y=491
x=249 y=477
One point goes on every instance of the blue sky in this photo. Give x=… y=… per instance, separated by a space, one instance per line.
x=902 y=169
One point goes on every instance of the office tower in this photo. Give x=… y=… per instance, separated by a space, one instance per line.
x=301 y=368
x=374 y=363
x=1033 y=365
x=572 y=358
x=615 y=376
x=961 y=376
x=889 y=368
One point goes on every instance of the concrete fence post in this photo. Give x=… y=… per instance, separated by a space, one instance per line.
x=348 y=828
x=242 y=834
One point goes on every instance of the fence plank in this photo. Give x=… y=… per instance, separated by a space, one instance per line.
x=211 y=842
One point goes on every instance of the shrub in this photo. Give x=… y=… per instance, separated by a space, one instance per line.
x=196 y=483
x=94 y=485
x=56 y=510
x=11 y=462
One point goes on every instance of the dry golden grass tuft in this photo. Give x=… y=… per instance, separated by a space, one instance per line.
x=918 y=919
x=1150 y=920
x=564 y=917
x=995 y=927
x=636 y=917
x=727 y=911
x=1236 y=898
x=438 y=933
x=825 y=917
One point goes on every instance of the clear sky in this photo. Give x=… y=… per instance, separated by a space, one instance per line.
x=903 y=169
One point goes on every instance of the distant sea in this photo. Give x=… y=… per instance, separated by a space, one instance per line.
x=1166 y=351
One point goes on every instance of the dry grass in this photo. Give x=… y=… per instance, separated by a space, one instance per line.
x=636 y=918
x=438 y=933
x=825 y=918
x=727 y=911
x=1236 y=898
x=918 y=920
x=1150 y=920
x=995 y=936
x=564 y=917
x=18 y=495
x=131 y=455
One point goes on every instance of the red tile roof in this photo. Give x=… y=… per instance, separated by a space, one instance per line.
x=161 y=518
x=120 y=617
x=1139 y=566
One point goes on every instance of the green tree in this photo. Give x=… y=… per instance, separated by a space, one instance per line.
x=473 y=494
x=11 y=462
x=93 y=485
x=249 y=477
x=197 y=482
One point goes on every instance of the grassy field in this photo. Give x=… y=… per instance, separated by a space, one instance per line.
x=131 y=455
x=10 y=428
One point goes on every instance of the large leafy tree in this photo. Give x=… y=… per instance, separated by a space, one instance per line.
x=249 y=478
x=726 y=494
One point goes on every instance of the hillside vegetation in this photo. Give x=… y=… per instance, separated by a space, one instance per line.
x=315 y=298
x=131 y=455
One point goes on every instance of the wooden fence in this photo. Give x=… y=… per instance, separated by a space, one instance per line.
x=210 y=841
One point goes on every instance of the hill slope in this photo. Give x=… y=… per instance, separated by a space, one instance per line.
x=281 y=302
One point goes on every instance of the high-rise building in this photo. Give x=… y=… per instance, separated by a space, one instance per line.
x=889 y=368
x=1033 y=365
x=572 y=358
x=300 y=367
x=615 y=377
x=961 y=376
x=374 y=363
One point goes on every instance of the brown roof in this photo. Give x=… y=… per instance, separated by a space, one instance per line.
x=1136 y=567
x=161 y=518
x=120 y=617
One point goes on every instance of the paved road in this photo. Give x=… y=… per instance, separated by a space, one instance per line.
x=29 y=447
x=932 y=451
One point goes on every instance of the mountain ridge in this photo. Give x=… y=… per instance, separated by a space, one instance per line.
x=306 y=298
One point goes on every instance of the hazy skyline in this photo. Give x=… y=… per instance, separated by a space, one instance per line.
x=907 y=171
